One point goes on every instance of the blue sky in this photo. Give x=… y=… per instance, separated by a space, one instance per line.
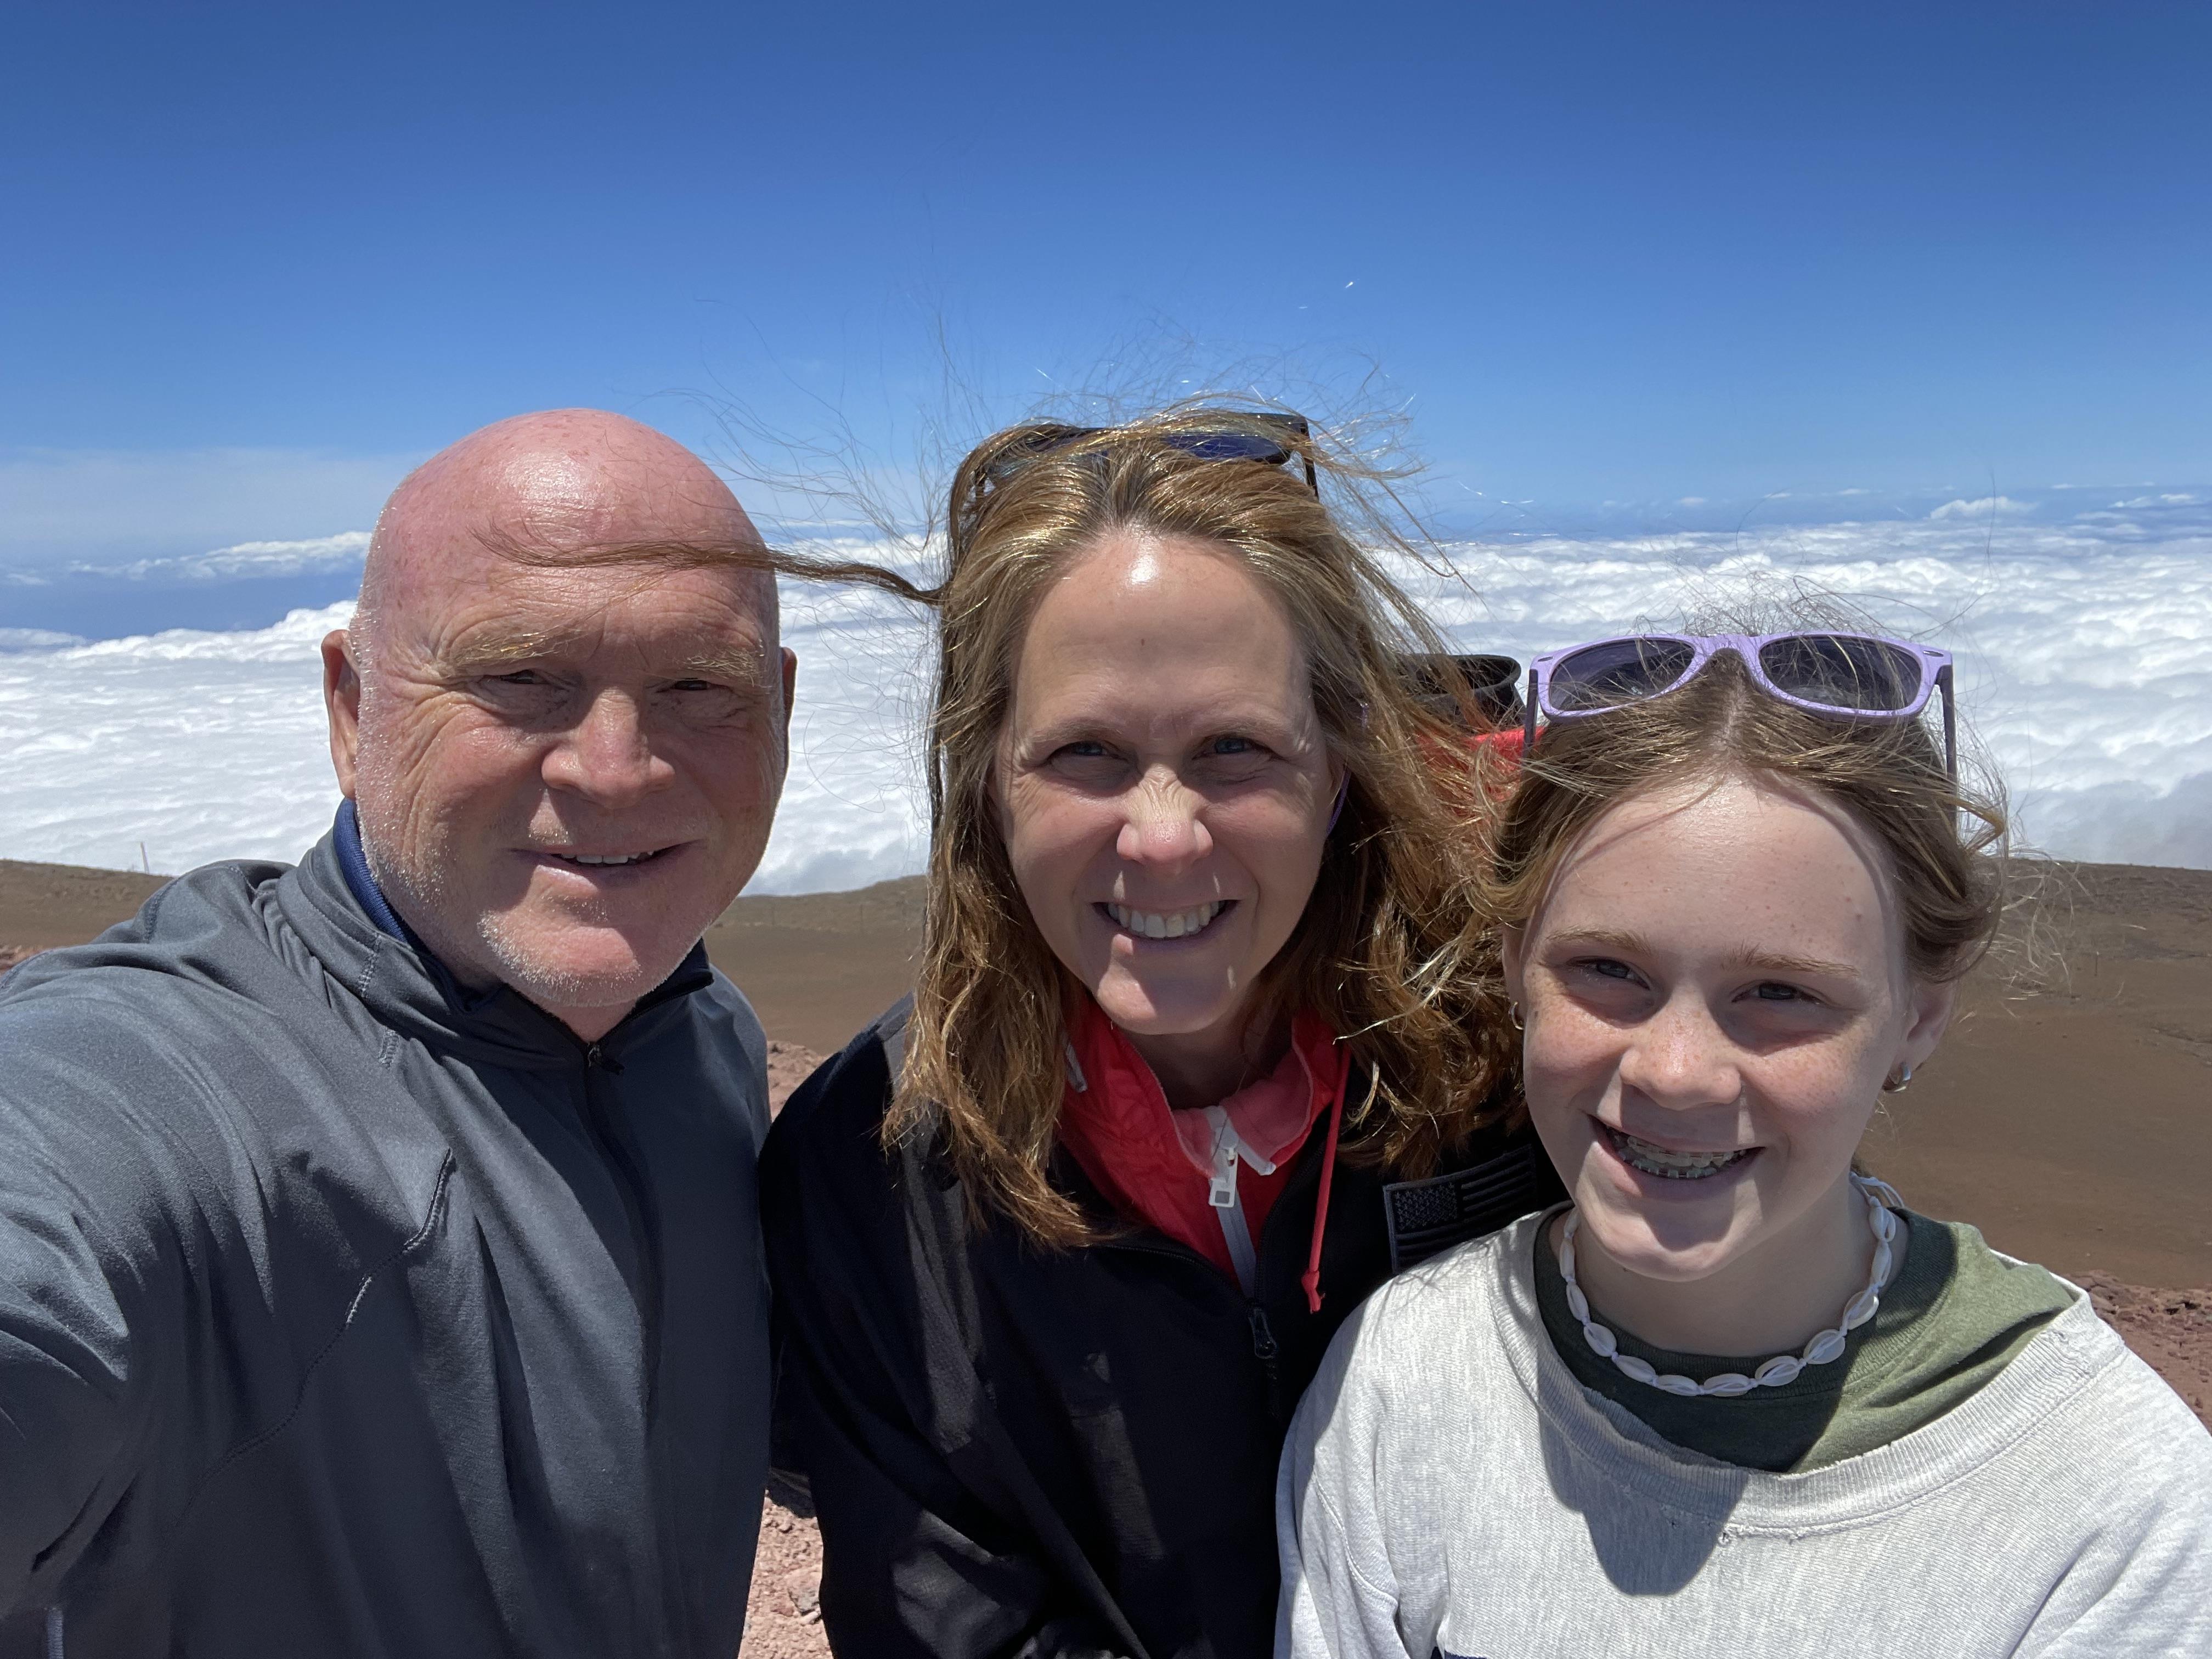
x=262 y=257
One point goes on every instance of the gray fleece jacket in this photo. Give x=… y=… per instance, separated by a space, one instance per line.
x=343 y=1313
x=1450 y=1490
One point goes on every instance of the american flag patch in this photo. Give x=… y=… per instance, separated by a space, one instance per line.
x=1426 y=1217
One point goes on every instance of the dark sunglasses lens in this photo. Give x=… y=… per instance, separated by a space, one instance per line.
x=1843 y=671
x=1493 y=683
x=1230 y=446
x=1618 y=672
x=1026 y=447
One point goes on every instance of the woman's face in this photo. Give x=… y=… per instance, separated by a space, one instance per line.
x=1715 y=990
x=1162 y=783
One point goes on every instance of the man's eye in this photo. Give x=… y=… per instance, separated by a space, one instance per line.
x=520 y=677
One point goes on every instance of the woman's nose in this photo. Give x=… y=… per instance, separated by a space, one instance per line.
x=1682 y=1057
x=1162 y=826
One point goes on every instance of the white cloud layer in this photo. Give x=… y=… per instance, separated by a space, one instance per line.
x=343 y=551
x=99 y=509
x=2085 y=668
x=314 y=556
x=1987 y=507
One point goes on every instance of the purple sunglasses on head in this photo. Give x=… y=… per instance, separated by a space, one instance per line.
x=1850 y=675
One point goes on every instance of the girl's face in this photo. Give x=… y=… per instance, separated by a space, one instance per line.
x=1715 y=988
x=1163 y=785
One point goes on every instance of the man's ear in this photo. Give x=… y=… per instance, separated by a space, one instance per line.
x=341 y=703
x=790 y=683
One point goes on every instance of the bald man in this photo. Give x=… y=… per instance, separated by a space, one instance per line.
x=379 y=1258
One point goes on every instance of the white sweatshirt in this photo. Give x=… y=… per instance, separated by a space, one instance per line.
x=1450 y=1489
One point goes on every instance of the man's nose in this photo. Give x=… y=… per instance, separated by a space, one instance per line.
x=1682 y=1057
x=607 y=756
x=1164 y=827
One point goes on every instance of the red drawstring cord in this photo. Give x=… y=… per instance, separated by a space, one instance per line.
x=1311 y=1277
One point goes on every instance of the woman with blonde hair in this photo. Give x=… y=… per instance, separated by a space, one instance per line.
x=1197 y=1056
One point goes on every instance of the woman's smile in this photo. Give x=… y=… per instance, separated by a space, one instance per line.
x=1163 y=926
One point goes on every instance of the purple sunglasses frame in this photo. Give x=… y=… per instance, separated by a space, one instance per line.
x=1935 y=676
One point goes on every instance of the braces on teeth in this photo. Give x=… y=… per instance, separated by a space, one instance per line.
x=1672 y=1166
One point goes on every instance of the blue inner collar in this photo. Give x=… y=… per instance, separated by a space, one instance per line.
x=359 y=879
x=361 y=882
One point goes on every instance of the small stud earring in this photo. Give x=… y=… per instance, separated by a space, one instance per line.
x=1895 y=1086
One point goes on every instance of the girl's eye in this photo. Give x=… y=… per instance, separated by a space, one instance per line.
x=1775 y=991
x=1606 y=968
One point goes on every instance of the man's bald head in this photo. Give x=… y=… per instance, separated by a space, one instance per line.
x=563 y=482
x=561 y=709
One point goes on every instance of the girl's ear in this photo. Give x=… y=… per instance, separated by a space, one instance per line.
x=1932 y=1003
x=1511 y=942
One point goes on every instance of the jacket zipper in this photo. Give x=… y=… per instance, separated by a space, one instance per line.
x=1266 y=1350
x=629 y=1184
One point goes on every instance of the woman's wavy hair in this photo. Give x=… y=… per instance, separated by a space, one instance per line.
x=1392 y=949
x=1945 y=840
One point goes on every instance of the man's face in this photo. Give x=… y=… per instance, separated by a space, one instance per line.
x=564 y=775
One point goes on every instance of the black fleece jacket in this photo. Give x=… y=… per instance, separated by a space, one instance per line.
x=1047 y=1455
x=344 y=1314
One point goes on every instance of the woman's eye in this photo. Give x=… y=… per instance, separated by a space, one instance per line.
x=1606 y=968
x=1085 y=760
x=1234 y=758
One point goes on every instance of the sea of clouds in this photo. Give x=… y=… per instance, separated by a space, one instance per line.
x=2084 y=640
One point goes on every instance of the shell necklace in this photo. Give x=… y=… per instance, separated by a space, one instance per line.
x=1881 y=1222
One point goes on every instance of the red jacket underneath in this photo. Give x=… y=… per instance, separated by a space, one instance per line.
x=1151 y=1162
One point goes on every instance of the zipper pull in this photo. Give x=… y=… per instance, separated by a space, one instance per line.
x=1221 y=1190
x=1263 y=1339
x=598 y=1058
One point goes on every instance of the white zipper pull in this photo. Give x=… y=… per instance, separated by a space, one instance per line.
x=1221 y=1192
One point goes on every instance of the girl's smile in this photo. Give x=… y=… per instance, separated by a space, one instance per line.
x=1662 y=1163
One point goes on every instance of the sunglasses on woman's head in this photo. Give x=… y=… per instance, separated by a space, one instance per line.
x=1253 y=435
x=1848 y=676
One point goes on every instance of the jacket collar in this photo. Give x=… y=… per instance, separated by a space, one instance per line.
x=332 y=902
x=1115 y=1104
